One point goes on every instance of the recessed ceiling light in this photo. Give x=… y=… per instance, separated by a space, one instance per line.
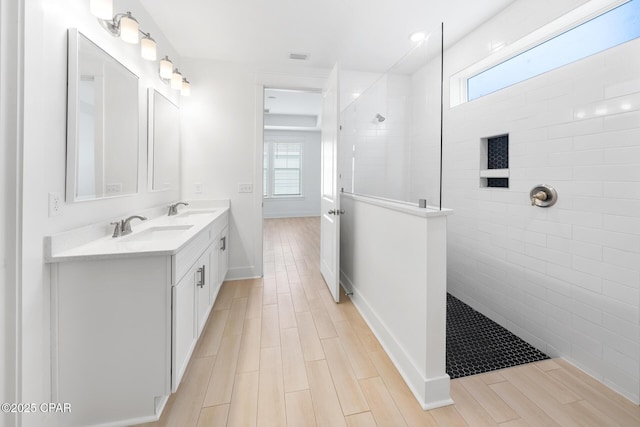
x=418 y=36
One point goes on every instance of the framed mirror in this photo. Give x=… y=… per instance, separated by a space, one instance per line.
x=102 y=123
x=163 y=143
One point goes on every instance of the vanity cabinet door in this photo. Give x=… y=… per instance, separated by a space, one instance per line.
x=214 y=278
x=223 y=258
x=203 y=288
x=184 y=334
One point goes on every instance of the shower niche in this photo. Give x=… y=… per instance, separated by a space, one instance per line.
x=494 y=162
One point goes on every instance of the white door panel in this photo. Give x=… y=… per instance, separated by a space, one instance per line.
x=330 y=204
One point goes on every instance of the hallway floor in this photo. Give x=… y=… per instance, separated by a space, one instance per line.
x=278 y=351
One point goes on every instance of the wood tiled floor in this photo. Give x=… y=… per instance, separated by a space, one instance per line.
x=278 y=351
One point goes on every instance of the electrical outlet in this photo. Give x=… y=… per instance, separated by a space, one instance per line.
x=197 y=187
x=55 y=204
x=245 y=188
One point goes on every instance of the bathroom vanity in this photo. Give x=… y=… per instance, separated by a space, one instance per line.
x=127 y=312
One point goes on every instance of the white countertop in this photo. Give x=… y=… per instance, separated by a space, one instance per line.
x=182 y=228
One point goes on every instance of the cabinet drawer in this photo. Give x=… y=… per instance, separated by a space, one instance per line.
x=183 y=260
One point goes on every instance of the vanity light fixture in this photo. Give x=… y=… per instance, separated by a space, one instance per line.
x=166 y=68
x=186 y=88
x=176 y=80
x=125 y=26
x=122 y=25
x=102 y=9
x=129 y=29
x=148 y=47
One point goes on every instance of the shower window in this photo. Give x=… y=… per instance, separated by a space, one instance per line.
x=282 y=170
x=603 y=32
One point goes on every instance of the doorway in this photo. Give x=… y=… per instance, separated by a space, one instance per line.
x=291 y=153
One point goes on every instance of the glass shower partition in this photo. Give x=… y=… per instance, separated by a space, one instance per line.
x=391 y=131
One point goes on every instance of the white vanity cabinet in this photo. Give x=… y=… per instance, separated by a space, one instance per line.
x=124 y=327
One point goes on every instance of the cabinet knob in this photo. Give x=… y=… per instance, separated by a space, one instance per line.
x=201 y=282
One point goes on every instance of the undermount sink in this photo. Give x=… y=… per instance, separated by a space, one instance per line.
x=159 y=232
x=198 y=212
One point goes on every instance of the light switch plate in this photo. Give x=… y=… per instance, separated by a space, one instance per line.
x=245 y=188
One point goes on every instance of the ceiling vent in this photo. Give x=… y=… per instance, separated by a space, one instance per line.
x=298 y=56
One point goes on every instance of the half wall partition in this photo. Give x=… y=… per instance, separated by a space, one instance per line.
x=392 y=249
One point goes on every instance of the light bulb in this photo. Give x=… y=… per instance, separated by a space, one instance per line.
x=166 y=68
x=186 y=88
x=102 y=9
x=129 y=29
x=176 y=80
x=148 y=48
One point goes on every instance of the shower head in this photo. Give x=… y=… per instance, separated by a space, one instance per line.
x=380 y=117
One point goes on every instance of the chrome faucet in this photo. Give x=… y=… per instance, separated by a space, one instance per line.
x=173 y=209
x=123 y=227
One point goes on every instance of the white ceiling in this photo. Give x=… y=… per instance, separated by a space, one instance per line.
x=282 y=101
x=364 y=35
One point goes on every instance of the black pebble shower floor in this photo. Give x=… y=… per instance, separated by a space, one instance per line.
x=476 y=344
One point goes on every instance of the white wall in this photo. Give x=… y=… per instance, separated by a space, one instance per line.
x=45 y=74
x=566 y=278
x=309 y=203
x=10 y=31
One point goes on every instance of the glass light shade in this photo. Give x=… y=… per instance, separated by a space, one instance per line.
x=102 y=9
x=129 y=29
x=166 y=68
x=148 y=48
x=176 y=80
x=186 y=88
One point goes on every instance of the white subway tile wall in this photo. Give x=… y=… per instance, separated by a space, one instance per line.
x=566 y=278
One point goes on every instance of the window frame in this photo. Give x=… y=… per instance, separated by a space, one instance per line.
x=502 y=53
x=269 y=177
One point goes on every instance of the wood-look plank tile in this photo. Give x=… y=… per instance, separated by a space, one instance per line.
x=223 y=373
x=384 y=409
x=547 y=365
x=270 y=326
x=349 y=393
x=294 y=370
x=299 y=298
x=254 y=303
x=285 y=311
x=241 y=288
x=358 y=357
x=271 y=406
x=235 y=321
x=225 y=297
x=491 y=378
x=309 y=340
x=469 y=408
x=448 y=416
x=499 y=410
x=367 y=338
x=579 y=383
x=516 y=423
x=520 y=404
x=184 y=406
x=249 y=357
x=409 y=407
x=363 y=419
x=269 y=291
x=209 y=342
x=323 y=393
x=300 y=409
x=212 y=416
x=622 y=402
x=243 y=410
x=324 y=325
x=282 y=282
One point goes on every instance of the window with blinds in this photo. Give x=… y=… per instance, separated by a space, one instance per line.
x=282 y=170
